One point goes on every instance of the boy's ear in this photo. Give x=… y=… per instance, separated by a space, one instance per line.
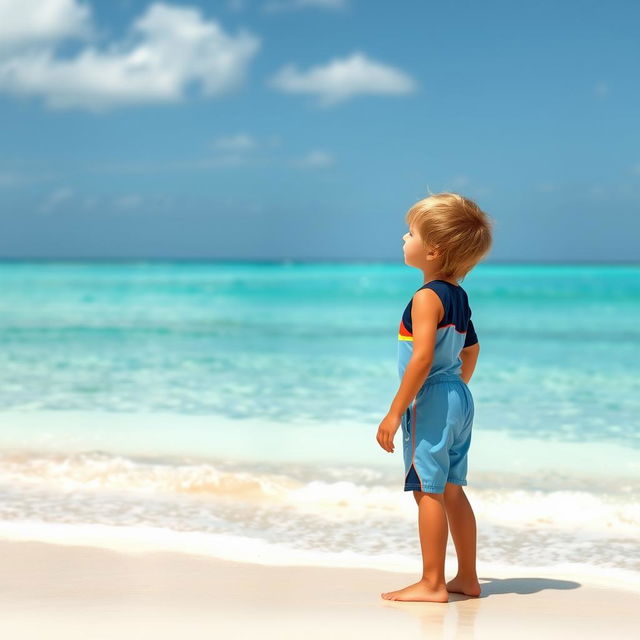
x=433 y=252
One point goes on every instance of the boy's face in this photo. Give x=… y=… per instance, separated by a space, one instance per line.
x=415 y=252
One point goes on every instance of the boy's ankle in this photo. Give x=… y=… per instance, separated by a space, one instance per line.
x=433 y=583
x=467 y=575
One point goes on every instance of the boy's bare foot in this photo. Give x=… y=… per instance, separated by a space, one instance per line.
x=419 y=592
x=468 y=586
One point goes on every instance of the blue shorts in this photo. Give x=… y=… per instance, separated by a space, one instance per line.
x=436 y=435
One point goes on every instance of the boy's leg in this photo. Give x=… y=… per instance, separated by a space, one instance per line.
x=434 y=531
x=432 y=525
x=462 y=523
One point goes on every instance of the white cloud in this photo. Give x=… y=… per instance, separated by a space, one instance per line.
x=55 y=199
x=342 y=79
x=242 y=148
x=316 y=160
x=285 y=5
x=168 y=48
x=238 y=142
x=33 y=21
x=237 y=150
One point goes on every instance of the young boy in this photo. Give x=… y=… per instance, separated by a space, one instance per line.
x=437 y=353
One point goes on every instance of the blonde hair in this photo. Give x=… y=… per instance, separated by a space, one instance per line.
x=457 y=227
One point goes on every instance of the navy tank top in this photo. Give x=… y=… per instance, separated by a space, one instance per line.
x=455 y=331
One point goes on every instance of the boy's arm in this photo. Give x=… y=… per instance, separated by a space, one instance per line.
x=469 y=356
x=426 y=312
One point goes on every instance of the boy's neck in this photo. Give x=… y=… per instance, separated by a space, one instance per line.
x=430 y=277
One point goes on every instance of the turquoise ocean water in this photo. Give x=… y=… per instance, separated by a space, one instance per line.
x=233 y=407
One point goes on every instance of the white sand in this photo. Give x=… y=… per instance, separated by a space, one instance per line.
x=60 y=591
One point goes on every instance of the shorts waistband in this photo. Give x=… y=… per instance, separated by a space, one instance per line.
x=443 y=377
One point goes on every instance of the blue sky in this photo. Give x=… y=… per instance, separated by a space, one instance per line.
x=305 y=129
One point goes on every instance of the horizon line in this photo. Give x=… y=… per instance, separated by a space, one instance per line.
x=298 y=260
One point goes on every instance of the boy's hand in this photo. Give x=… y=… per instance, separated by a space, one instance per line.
x=387 y=430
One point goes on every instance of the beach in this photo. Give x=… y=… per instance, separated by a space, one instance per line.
x=219 y=415
x=174 y=459
x=72 y=591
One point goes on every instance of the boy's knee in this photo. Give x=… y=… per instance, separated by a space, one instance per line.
x=452 y=490
x=418 y=495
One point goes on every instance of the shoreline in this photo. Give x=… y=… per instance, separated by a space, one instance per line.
x=77 y=591
x=73 y=432
x=141 y=541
